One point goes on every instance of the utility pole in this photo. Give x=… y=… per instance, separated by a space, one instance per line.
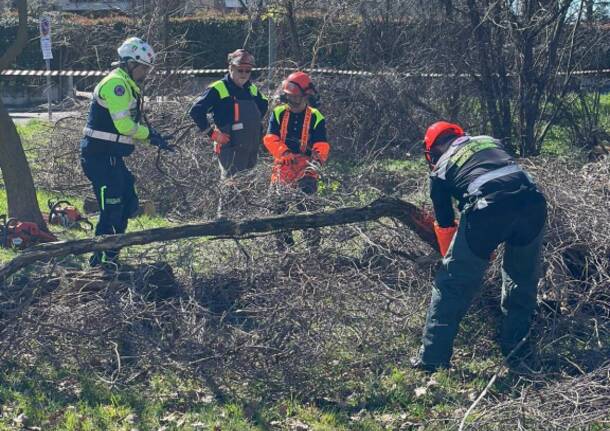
x=47 y=55
x=272 y=53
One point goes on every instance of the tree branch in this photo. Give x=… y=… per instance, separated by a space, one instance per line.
x=410 y=215
x=21 y=40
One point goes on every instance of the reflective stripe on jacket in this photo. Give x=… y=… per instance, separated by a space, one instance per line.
x=216 y=99
x=286 y=133
x=116 y=109
x=475 y=171
x=302 y=134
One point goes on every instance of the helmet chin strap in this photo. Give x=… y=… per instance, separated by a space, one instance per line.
x=128 y=66
x=124 y=64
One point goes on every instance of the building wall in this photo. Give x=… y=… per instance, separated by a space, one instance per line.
x=32 y=94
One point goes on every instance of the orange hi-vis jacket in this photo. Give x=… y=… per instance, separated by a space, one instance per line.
x=293 y=139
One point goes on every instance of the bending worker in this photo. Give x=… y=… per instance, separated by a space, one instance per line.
x=296 y=138
x=114 y=127
x=499 y=203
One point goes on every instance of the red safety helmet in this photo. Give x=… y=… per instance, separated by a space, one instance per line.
x=435 y=131
x=298 y=84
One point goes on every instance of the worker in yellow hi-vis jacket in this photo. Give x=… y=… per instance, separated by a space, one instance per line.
x=114 y=127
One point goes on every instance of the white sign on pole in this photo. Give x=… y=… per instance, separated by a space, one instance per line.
x=47 y=54
x=45 y=37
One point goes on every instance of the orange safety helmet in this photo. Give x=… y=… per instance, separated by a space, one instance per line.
x=435 y=131
x=298 y=84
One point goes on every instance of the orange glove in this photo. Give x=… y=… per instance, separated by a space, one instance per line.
x=288 y=158
x=275 y=146
x=219 y=139
x=320 y=151
x=444 y=236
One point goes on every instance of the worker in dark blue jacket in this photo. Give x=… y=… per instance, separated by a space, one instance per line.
x=499 y=203
x=237 y=107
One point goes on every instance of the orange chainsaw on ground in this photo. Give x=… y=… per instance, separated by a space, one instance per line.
x=21 y=234
x=63 y=213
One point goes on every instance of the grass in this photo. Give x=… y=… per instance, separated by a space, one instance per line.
x=67 y=400
x=558 y=141
x=46 y=396
x=140 y=223
x=50 y=397
x=33 y=132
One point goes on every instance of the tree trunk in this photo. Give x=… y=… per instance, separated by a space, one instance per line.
x=528 y=109
x=20 y=191
x=294 y=32
x=493 y=82
x=590 y=12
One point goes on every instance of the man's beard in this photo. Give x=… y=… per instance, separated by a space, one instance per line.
x=297 y=106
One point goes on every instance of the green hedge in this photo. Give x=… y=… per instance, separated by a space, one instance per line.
x=91 y=44
x=81 y=43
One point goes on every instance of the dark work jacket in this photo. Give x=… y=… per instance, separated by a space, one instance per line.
x=317 y=128
x=473 y=157
x=222 y=109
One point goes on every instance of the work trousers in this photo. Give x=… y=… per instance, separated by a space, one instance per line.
x=519 y=225
x=286 y=196
x=113 y=186
x=238 y=156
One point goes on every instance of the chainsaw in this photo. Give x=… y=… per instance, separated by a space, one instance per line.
x=63 y=213
x=21 y=234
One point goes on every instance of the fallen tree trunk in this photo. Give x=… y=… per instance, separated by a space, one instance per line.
x=410 y=215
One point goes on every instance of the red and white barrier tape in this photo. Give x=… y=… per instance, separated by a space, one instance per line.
x=204 y=72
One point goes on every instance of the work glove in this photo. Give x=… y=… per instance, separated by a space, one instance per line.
x=444 y=236
x=159 y=141
x=220 y=138
x=288 y=158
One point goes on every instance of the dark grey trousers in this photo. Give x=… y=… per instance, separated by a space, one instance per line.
x=459 y=280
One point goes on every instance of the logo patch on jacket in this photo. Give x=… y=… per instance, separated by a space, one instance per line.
x=119 y=90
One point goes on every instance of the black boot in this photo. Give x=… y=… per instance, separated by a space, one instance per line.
x=105 y=259
x=416 y=363
x=283 y=241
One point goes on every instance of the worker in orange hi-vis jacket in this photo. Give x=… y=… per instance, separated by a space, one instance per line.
x=296 y=138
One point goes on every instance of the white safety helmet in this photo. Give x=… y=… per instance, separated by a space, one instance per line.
x=137 y=50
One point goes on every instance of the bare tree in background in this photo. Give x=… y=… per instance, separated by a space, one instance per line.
x=20 y=191
x=516 y=52
x=537 y=32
